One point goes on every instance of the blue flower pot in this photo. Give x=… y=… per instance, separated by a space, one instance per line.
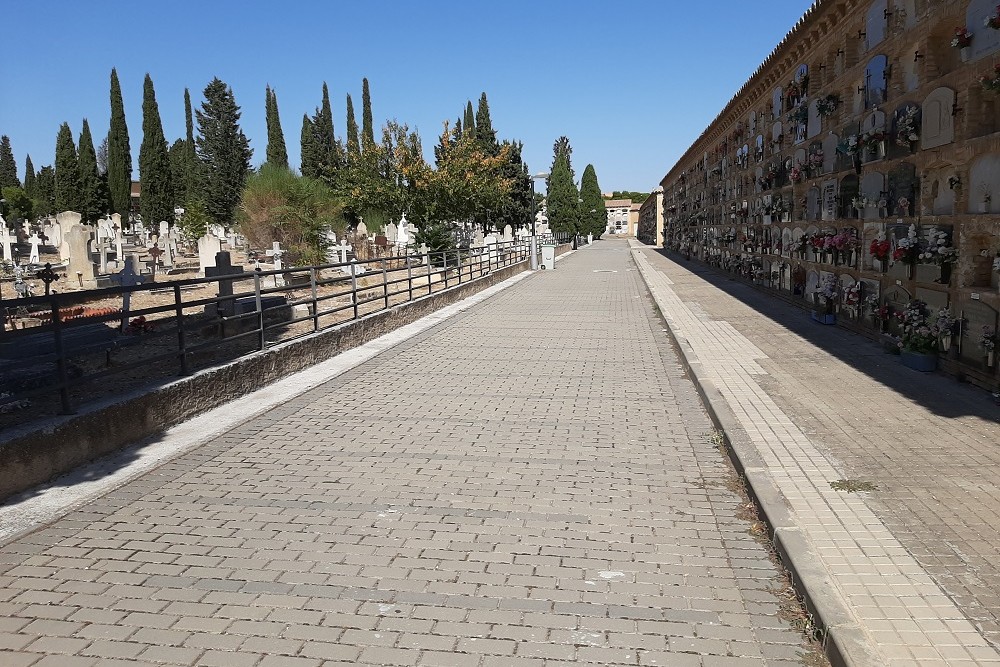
x=823 y=318
x=925 y=363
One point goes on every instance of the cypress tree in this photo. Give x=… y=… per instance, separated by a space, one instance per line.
x=309 y=165
x=119 y=154
x=593 y=215
x=353 y=147
x=223 y=152
x=91 y=206
x=562 y=194
x=367 y=125
x=486 y=136
x=277 y=154
x=324 y=137
x=8 y=168
x=470 y=120
x=179 y=171
x=191 y=158
x=156 y=198
x=29 y=178
x=45 y=190
x=67 y=176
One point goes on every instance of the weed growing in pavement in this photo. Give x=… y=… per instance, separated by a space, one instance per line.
x=853 y=485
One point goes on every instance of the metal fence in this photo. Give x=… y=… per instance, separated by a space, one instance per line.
x=99 y=343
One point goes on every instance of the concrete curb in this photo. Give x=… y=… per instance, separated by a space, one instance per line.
x=844 y=640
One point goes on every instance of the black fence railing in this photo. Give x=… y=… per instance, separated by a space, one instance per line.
x=88 y=345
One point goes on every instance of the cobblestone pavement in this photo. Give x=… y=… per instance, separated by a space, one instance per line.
x=916 y=558
x=531 y=483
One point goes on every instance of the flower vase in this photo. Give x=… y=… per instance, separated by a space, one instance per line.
x=965 y=52
x=909 y=270
x=945 y=343
x=990 y=358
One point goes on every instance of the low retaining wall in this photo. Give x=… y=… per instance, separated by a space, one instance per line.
x=59 y=445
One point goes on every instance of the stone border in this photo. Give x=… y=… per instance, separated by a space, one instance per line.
x=844 y=640
x=58 y=445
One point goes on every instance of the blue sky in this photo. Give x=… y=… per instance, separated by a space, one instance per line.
x=631 y=84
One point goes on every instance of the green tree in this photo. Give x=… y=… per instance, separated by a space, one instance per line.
x=376 y=183
x=353 y=144
x=485 y=134
x=470 y=121
x=277 y=154
x=45 y=190
x=562 y=194
x=8 y=168
x=439 y=237
x=19 y=205
x=297 y=211
x=309 y=157
x=29 y=178
x=91 y=200
x=593 y=215
x=191 y=183
x=156 y=200
x=178 y=172
x=67 y=176
x=223 y=151
x=367 y=125
x=515 y=209
x=119 y=154
x=195 y=220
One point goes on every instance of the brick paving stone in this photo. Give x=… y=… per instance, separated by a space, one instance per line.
x=530 y=482
x=818 y=404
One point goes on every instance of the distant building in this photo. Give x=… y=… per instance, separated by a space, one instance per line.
x=622 y=217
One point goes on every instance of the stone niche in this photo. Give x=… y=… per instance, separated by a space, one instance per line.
x=941 y=193
x=829 y=199
x=849 y=189
x=987 y=40
x=776 y=99
x=875 y=23
x=903 y=183
x=907 y=11
x=875 y=88
x=984 y=184
x=814 y=124
x=830 y=153
x=937 y=126
x=897 y=146
x=813 y=202
x=911 y=70
x=873 y=187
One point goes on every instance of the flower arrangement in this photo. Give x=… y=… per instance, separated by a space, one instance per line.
x=826 y=106
x=873 y=140
x=988 y=339
x=993 y=20
x=962 y=38
x=850 y=145
x=871 y=304
x=828 y=291
x=938 y=249
x=800 y=114
x=907 y=130
x=778 y=206
x=903 y=206
x=918 y=334
x=879 y=248
x=945 y=322
x=852 y=295
x=798 y=245
x=795 y=174
x=861 y=202
x=815 y=159
x=991 y=82
x=907 y=248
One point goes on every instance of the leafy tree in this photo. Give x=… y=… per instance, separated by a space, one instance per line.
x=310 y=163
x=29 y=178
x=8 y=168
x=92 y=204
x=378 y=183
x=629 y=194
x=195 y=220
x=277 y=154
x=439 y=236
x=223 y=152
x=19 y=205
x=485 y=134
x=353 y=144
x=156 y=200
x=45 y=190
x=67 y=176
x=298 y=211
x=367 y=125
x=562 y=193
x=119 y=154
x=593 y=215
x=470 y=121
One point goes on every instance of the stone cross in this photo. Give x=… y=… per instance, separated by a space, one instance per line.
x=155 y=253
x=275 y=254
x=127 y=277
x=80 y=263
x=47 y=276
x=35 y=240
x=7 y=240
x=102 y=246
x=424 y=250
x=223 y=267
x=342 y=249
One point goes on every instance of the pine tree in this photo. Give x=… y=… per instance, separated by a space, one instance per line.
x=353 y=146
x=119 y=154
x=29 y=178
x=516 y=209
x=562 y=193
x=486 y=136
x=593 y=215
x=67 y=176
x=277 y=154
x=223 y=152
x=367 y=125
x=8 y=168
x=309 y=165
x=156 y=199
x=470 y=120
x=91 y=206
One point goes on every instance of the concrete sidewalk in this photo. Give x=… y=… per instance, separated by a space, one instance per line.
x=532 y=482
x=908 y=570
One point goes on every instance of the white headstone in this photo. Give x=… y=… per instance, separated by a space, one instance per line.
x=362 y=229
x=66 y=221
x=937 y=121
x=208 y=246
x=341 y=251
x=35 y=241
x=7 y=241
x=403 y=235
x=508 y=233
x=81 y=268
x=391 y=233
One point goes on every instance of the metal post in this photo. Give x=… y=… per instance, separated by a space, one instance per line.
x=354 y=290
x=458 y=251
x=409 y=278
x=260 y=311
x=385 y=285
x=444 y=256
x=67 y=407
x=179 y=315
x=315 y=307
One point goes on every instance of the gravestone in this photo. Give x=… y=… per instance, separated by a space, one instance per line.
x=391 y=233
x=812 y=283
x=829 y=200
x=53 y=232
x=101 y=246
x=977 y=315
x=127 y=277
x=508 y=234
x=223 y=267
x=984 y=181
x=81 y=269
x=209 y=246
x=943 y=196
x=897 y=298
x=275 y=253
x=937 y=124
x=361 y=229
x=341 y=251
x=872 y=187
x=7 y=241
x=903 y=183
x=35 y=241
x=875 y=23
x=987 y=40
x=403 y=235
x=66 y=221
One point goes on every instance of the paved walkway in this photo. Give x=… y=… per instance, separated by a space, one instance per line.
x=912 y=564
x=532 y=482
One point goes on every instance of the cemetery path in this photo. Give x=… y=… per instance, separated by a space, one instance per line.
x=890 y=474
x=533 y=482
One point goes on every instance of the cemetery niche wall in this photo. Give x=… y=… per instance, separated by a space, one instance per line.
x=866 y=147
